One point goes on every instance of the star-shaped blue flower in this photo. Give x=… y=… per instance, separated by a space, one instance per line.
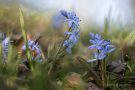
x=102 y=46
x=72 y=19
x=96 y=41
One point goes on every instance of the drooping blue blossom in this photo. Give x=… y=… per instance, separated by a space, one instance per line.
x=102 y=46
x=34 y=46
x=74 y=32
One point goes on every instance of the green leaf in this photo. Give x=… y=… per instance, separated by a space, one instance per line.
x=21 y=19
x=92 y=72
x=28 y=54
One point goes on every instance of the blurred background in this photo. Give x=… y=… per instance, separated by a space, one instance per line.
x=92 y=13
x=121 y=11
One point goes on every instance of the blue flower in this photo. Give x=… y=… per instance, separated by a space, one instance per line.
x=74 y=36
x=64 y=13
x=74 y=33
x=69 y=44
x=102 y=46
x=5 y=44
x=100 y=55
x=72 y=20
x=57 y=21
x=73 y=39
x=108 y=48
x=96 y=41
x=34 y=47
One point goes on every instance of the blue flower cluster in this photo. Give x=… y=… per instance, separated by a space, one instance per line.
x=34 y=47
x=102 y=46
x=74 y=33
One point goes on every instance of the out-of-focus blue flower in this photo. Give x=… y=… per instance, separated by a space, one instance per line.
x=74 y=33
x=57 y=21
x=5 y=44
x=34 y=47
x=102 y=46
x=72 y=19
x=69 y=44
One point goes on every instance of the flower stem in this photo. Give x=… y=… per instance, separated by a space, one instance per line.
x=56 y=55
x=102 y=72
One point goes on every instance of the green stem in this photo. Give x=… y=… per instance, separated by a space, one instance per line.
x=105 y=72
x=102 y=72
x=91 y=71
x=56 y=55
x=101 y=68
x=61 y=45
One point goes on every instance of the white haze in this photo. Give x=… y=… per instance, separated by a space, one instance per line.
x=90 y=11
